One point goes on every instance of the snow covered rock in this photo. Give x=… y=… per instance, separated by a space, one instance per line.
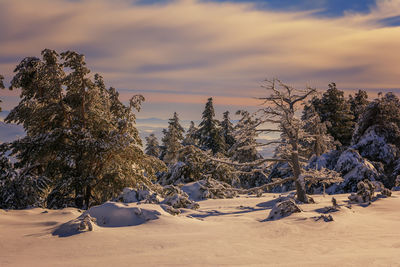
x=283 y=209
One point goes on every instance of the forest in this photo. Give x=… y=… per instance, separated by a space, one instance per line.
x=82 y=148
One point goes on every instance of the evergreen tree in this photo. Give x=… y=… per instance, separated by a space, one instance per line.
x=172 y=139
x=191 y=136
x=358 y=103
x=334 y=109
x=245 y=146
x=80 y=137
x=193 y=164
x=1 y=86
x=152 y=147
x=384 y=114
x=209 y=132
x=227 y=130
x=318 y=140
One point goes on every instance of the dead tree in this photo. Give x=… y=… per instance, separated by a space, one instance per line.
x=280 y=112
x=280 y=115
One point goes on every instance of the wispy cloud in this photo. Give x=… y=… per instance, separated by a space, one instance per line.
x=206 y=48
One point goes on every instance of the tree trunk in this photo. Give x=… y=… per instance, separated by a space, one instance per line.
x=299 y=182
x=88 y=193
x=78 y=198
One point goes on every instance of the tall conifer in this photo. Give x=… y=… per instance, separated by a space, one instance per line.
x=209 y=132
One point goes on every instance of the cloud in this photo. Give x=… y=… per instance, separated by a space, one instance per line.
x=186 y=50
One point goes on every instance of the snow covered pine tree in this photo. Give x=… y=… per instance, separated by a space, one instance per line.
x=79 y=134
x=172 y=139
x=209 y=132
x=152 y=146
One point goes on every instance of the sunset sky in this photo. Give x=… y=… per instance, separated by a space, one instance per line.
x=178 y=53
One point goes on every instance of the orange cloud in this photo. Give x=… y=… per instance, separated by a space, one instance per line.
x=206 y=48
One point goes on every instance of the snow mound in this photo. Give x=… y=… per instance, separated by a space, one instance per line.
x=112 y=214
x=209 y=188
x=283 y=209
x=109 y=214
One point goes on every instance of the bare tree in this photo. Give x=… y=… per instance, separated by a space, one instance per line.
x=280 y=115
x=280 y=110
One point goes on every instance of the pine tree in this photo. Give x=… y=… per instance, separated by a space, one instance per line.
x=358 y=103
x=318 y=141
x=383 y=113
x=80 y=137
x=334 y=109
x=1 y=86
x=209 y=132
x=227 y=130
x=172 y=139
x=191 y=136
x=245 y=146
x=152 y=147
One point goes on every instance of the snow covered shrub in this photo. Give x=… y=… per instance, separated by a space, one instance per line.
x=212 y=188
x=193 y=165
x=379 y=187
x=374 y=144
x=283 y=209
x=86 y=223
x=353 y=169
x=325 y=218
x=335 y=207
x=327 y=160
x=22 y=189
x=141 y=193
x=397 y=184
x=177 y=198
x=365 y=192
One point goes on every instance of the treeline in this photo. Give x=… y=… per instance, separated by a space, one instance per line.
x=82 y=148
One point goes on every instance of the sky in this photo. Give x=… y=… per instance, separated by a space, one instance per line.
x=177 y=53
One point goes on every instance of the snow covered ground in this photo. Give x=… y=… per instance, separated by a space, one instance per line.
x=225 y=232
